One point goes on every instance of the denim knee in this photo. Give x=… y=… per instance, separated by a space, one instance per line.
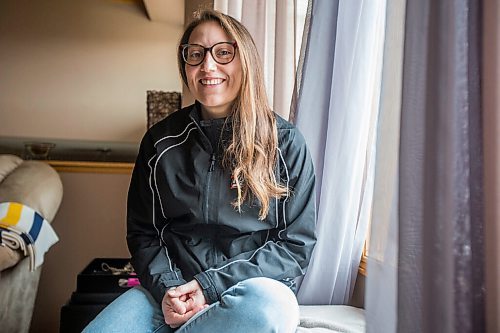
x=269 y=302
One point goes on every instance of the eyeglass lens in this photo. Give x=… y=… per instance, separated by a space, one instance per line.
x=222 y=53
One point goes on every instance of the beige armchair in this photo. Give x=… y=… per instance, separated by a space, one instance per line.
x=37 y=185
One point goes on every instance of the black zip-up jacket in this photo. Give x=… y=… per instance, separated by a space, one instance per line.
x=181 y=224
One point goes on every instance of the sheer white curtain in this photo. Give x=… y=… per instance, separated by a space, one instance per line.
x=276 y=27
x=337 y=111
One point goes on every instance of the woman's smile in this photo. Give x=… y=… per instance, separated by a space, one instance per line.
x=211 y=81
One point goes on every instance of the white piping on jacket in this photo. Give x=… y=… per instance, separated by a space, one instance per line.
x=173 y=136
x=284 y=204
x=154 y=218
x=239 y=260
x=158 y=159
x=153 y=172
x=287 y=193
x=276 y=213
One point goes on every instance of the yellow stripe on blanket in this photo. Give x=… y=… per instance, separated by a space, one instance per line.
x=13 y=214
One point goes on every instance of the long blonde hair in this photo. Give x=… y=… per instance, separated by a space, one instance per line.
x=252 y=152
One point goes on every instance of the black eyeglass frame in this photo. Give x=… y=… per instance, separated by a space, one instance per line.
x=183 y=47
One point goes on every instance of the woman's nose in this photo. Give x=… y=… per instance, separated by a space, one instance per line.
x=208 y=63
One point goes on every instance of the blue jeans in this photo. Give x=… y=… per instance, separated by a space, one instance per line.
x=259 y=305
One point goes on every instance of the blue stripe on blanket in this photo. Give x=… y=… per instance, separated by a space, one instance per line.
x=36 y=226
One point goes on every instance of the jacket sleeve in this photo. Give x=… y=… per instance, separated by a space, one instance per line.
x=150 y=258
x=286 y=252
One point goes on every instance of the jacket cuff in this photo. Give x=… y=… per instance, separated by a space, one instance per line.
x=209 y=290
x=165 y=282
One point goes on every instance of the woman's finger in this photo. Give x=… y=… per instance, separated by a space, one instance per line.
x=178 y=306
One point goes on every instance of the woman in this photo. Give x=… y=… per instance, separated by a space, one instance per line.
x=221 y=210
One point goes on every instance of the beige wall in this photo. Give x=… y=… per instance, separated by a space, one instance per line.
x=90 y=224
x=491 y=107
x=79 y=69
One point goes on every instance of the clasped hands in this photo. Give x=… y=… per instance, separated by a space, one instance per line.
x=181 y=303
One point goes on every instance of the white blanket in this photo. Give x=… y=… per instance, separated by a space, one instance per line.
x=24 y=229
x=331 y=318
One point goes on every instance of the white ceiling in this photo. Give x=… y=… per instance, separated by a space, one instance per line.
x=167 y=11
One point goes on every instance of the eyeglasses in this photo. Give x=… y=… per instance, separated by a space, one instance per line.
x=194 y=54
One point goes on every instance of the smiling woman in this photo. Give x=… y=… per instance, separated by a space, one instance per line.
x=221 y=206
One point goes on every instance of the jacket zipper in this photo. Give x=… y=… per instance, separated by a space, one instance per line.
x=207 y=190
x=210 y=173
x=212 y=163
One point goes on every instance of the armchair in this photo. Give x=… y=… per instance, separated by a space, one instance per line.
x=37 y=185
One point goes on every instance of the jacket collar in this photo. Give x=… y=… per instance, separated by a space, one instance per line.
x=195 y=115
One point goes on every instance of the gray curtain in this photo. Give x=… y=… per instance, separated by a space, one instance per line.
x=441 y=268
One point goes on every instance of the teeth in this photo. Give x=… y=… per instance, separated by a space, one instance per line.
x=211 y=81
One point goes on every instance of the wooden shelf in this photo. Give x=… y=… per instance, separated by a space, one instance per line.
x=92 y=167
x=84 y=156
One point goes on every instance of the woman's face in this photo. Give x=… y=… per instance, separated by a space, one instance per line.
x=214 y=85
